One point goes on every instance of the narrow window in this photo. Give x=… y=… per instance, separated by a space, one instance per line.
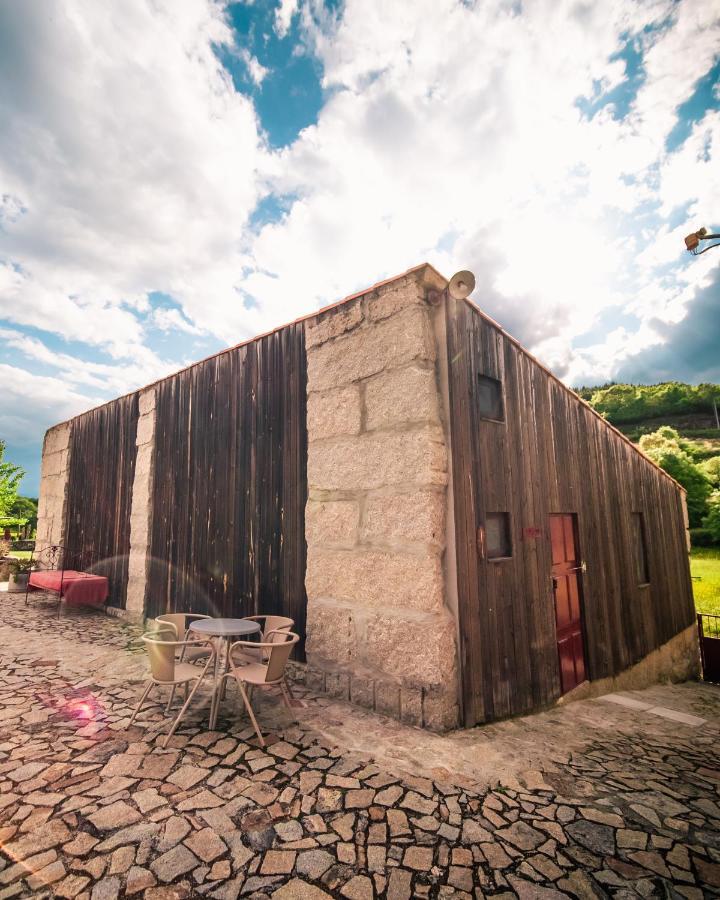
x=640 y=541
x=489 y=398
x=498 y=543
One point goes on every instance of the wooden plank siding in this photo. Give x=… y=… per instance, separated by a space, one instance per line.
x=99 y=493
x=230 y=484
x=551 y=455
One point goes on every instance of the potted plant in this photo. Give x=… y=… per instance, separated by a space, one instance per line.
x=19 y=573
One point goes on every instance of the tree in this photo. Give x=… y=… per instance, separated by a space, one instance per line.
x=23 y=508
x=710 y=393
x=711 y=469
x=25 y=511
x=10 y=477
x=712 y=519
x=663 y=447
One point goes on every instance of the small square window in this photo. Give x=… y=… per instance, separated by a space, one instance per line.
x=489 y=398
x=640 y=548
x=498 y=543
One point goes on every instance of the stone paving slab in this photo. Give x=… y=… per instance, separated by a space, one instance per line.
x=592 y=803
x=677 y=716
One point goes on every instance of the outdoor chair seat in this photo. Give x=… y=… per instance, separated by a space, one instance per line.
x=185 y=671
x=273 y=627
x=167 y=671
x=254 y=672
x=269 y=673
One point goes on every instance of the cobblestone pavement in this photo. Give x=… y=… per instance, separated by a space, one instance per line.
x=618 y=805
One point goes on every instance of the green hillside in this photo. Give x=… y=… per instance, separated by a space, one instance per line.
x=677 y=426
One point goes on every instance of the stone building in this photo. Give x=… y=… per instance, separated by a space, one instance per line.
x=456 y=534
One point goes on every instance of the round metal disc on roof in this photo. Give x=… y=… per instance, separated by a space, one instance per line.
x=462 y=284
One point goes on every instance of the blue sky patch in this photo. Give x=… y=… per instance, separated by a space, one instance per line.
x=705 y=97
x=623 y=95
x=290 y=96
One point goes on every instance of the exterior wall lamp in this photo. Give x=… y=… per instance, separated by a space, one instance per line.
x=692 y=241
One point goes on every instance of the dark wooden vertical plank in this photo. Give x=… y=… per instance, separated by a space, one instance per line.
x=228 y=533
x=100 y=478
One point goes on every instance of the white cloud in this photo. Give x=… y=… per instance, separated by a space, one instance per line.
x=284 y=15
x=108 y=378
x=257 y=71
x=173 y=320
x=50 y=399
x=451 y=131
x=133 y=160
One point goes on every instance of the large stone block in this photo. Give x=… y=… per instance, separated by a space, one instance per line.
x=135 y=597
x=387 y=698
x=373 y=578
x=146 y=401
x=52 y=485
x=315 y=679
x=418 y=649
x=331 y=522
x=392 y=342
x=145 y=430
x=383 y=458
x=337 y=684
x=396 y=296
x=57 y=438
x=440 y=709
x=137 y=565
x=362 y=691
x=143 y=461
x=141 y=484
x=399 y=396
x=333 y=412
x=330 y=630
x=418 y=516
x=411 y=706
x=334 y=322
x=54 y=464
x=139 y=527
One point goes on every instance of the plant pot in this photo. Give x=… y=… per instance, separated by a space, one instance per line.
x=18 y=582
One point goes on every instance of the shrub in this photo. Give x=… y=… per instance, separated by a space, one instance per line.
x=702 y=537
x=665 y=448
x=22 y=566
x=711 y=469
x=711 y=522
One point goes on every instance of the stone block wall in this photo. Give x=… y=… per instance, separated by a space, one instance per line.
x=53 y=492
x=141 y=508
x=379 y=630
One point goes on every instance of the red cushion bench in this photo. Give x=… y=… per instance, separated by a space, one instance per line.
x=75 y=587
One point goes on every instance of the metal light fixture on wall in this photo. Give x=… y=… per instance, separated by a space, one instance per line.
x=692 y=241
x=462 y=284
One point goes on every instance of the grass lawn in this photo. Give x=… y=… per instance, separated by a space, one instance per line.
x=705 y=563
x=20 y=554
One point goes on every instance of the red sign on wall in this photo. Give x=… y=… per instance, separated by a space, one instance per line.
x=531 y=533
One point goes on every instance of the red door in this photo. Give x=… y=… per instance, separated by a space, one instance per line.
x=567 y=590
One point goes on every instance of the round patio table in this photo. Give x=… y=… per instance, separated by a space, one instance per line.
x=227 y=629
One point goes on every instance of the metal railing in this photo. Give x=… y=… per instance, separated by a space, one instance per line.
x=708 y=625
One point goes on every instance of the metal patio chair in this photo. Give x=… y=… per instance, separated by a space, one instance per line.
x=180 y=622
x=270 y=672
x=167 y=671
x=252 y=653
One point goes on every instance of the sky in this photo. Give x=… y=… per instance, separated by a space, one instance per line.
x=177 y=177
